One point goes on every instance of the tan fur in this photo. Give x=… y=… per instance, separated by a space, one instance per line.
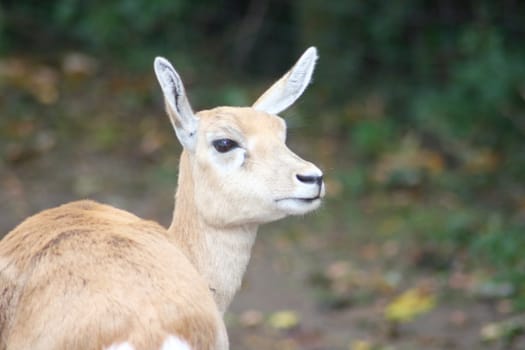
x=88 y=276
x=97 y=275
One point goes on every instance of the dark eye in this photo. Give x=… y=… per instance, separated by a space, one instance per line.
x=224 y=145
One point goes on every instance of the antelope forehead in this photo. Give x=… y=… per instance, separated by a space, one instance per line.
x=265 y=128
x=268 y=121
x=244 y=118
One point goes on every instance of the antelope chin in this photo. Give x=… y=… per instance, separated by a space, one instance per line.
x=298 y=206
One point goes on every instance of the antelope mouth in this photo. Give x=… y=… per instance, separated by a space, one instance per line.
x=308 y=200
x=300 y=199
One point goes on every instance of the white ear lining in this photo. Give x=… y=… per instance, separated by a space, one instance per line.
x=290 y=87
x=179 y=110
x=171 y=85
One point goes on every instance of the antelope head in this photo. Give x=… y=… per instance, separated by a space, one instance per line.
x=241 y=169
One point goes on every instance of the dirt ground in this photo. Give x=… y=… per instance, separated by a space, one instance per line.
x=282 y=304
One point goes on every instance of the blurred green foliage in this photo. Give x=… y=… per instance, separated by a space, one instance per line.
x=449 y=75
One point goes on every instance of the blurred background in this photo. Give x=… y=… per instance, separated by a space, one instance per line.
x=416 y=114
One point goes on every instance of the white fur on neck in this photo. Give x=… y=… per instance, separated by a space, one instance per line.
x=224 y=264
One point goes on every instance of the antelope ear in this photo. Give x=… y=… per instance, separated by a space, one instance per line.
x=178 y=108
x=283 y=93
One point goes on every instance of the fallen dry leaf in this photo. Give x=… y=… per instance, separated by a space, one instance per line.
x=284 y=320
x=78 y=65
x=458 y=318
x=503 y=329
x=410 y=304
x=361 y=345
x=251 y=318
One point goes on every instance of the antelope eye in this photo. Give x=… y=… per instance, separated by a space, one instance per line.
x=224 y=145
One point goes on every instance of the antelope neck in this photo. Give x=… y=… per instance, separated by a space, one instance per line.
x=220 y=254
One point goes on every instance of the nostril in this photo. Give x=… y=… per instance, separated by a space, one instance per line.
x=309 y=179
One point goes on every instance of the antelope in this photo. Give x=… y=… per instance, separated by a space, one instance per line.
x=86 y=275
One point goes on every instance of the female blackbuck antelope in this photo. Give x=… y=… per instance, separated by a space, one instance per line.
x=89 y=276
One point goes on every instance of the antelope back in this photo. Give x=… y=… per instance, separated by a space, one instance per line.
x=86 y=276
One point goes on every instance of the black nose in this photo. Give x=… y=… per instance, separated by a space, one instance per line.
x=309 y=179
